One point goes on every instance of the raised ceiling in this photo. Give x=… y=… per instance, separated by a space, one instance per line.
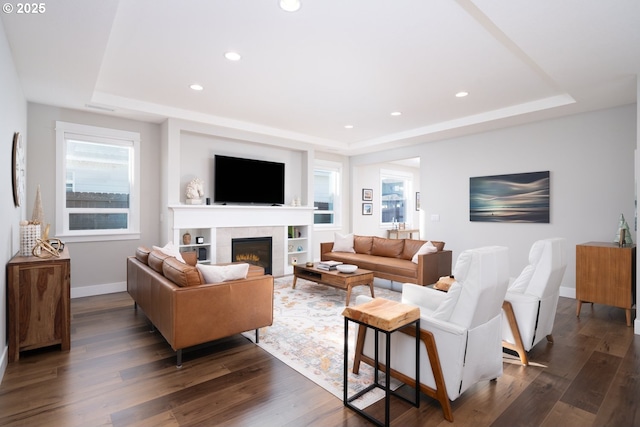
x=305 y=75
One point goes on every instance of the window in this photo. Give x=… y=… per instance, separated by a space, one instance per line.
x=326 y=193
x=98 y=195
x=395 y=188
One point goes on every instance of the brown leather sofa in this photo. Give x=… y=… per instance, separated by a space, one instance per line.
x=391 y=259
x=189 y=312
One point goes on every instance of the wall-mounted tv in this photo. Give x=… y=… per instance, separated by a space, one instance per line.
x=247 y=181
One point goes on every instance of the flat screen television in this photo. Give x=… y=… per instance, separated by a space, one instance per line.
x=247 y=181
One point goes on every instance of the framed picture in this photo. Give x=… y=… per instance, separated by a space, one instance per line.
x=367 y=194
x=520 y=197
x=417 y=200
x=367 y=209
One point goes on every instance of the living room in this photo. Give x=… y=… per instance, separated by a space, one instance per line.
x=539 y=146
x=590 y=156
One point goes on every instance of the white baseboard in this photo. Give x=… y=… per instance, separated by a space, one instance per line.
x=4 y=361
x=567 y=292
x=106 y=288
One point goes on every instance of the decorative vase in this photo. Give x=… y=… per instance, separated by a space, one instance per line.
x=29 y=235
x=623 y=235
x=186 y=238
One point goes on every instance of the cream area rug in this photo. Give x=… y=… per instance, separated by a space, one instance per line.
x=308 y=335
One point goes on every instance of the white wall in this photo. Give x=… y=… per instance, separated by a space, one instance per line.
x=368 y=176
x=591 y=162
x=197 y=153
x=178 y=136
x=96 y=267
x=13 y=118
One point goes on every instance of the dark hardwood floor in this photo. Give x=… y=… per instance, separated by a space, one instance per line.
x=119 y=373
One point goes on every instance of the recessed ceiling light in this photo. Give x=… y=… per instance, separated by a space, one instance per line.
x=290 y=5
x=197 y=87
x=396 y=113
x=461 y=94
x=348 y=126
x=232 y=56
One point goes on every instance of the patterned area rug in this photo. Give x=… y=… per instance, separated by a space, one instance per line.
x=308 y=335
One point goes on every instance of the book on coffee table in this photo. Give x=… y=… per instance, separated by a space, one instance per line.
x=328 y=265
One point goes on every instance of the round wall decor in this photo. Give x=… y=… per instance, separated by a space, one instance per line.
x=18 y=172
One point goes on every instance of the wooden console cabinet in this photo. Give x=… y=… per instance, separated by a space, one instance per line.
x=38 y=294
x=606 y=274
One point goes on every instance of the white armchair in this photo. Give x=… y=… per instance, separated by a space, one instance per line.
x=460 y=329
x=532 y=298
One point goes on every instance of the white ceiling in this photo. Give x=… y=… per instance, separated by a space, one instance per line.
x=305 y=75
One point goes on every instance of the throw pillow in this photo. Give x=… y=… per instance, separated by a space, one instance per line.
x=223 y=273
x=427 y=248
x=444 y=310
x=171 y=250
x=343 y=243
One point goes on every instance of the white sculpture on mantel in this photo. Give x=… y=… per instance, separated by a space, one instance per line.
x=195 y=191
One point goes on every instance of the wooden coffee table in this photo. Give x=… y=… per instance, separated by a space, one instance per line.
x=334 y=278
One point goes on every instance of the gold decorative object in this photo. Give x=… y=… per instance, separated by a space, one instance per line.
x=48 y=248
x=37 y=217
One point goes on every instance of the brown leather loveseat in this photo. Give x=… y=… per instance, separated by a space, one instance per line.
x=391 y=259
x=187 y=311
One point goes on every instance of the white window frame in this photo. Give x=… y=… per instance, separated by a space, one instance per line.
x=408 y=179
x=107 y=136
x=333 y=167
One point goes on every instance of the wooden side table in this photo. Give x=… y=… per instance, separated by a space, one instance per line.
x=38 y=299
x=384 y=316
x=606 y=274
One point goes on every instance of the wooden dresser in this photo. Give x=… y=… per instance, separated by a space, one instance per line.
x=38 y=293
x=606 y=274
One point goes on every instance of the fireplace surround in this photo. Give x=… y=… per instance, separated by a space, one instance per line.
x=223 y=223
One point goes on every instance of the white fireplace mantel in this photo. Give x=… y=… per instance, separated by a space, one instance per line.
x=216 y=217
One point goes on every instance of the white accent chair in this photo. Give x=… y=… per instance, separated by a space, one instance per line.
x=460 y=329
x=532 y=298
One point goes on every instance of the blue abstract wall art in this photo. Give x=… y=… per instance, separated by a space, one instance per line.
x=521 y=197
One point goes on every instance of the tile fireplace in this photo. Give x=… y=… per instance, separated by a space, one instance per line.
x=220 y=224
x=253 y=250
